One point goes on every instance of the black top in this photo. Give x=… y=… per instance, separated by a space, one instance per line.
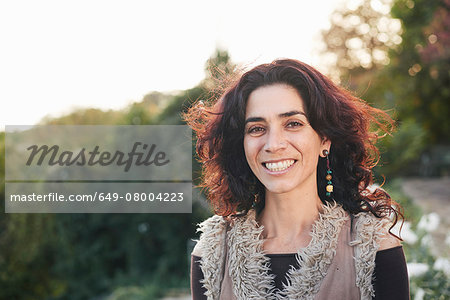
x=390 y=278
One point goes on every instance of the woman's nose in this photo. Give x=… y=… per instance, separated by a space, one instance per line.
x=275 y=141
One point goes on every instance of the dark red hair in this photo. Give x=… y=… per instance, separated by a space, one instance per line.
x=332 y=111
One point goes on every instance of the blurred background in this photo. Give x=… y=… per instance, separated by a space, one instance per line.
x=144 y=62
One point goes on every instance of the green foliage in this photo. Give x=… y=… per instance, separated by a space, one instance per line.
x=179 y=104
x=421 y=65
x=401 y=151
x=219 y=71
x=85 y=255
x=146 y=111
x=136 y=293
x=138 y=114
x=89 y=116
x=412 y=212
x=415 y=85
x=434 y=283
x=104 y=256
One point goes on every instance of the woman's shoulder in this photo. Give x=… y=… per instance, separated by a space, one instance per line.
x=370 y=227
x=214 y=222
x=212 y=231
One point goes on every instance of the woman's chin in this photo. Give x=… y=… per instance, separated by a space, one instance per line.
x=278 y=189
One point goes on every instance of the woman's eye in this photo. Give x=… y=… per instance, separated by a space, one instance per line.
x=255 y=129
x=294 y=124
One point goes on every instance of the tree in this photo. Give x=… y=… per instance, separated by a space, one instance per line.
x=421 y=66
x=414 y=87
x=359 y=37
x=219 y=71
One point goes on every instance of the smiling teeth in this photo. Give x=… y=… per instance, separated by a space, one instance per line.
x=279 y=166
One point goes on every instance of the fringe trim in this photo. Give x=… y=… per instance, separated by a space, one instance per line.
x=248 y=266
x=211 y=246
x=370 y=230
x=315 y=259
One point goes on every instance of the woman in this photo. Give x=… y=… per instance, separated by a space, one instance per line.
x=287 y=158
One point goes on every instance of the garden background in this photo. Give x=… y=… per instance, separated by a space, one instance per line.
x=397 y=59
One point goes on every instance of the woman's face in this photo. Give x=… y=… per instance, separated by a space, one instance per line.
x=281 y=147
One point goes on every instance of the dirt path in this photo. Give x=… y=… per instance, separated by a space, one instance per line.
x=433 y=195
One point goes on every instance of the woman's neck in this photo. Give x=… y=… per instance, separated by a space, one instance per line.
x=288 y=219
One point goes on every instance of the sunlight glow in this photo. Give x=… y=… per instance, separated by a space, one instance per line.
x=58 y=55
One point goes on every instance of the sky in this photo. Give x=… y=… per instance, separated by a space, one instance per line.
x=56 y=56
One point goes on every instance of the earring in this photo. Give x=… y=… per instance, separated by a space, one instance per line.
x=329 y=187
x=255 y=201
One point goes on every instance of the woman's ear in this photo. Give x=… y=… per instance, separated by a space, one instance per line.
x=326 y=145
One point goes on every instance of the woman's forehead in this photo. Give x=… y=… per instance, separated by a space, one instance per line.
x=274 y=100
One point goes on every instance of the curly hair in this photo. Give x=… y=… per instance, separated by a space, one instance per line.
x=332 y=111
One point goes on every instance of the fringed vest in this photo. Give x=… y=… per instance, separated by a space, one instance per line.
x=338 y=263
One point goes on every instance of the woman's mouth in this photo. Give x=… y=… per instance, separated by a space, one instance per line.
x=279 y=165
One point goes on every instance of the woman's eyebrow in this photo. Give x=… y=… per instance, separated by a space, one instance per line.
x=291 y=113
x=254 y=119
x=283 y=115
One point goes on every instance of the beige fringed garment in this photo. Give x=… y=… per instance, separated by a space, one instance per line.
x=335 y=265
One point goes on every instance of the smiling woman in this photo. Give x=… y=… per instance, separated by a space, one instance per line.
x=287 y=158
